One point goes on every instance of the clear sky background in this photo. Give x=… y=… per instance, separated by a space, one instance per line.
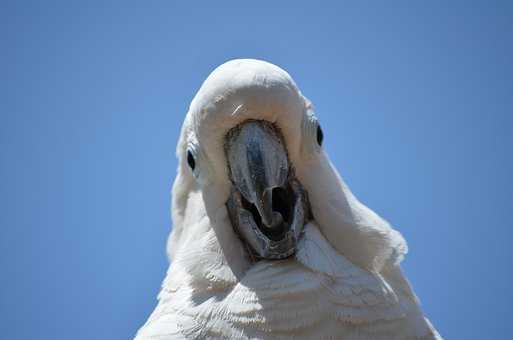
x=416 y=102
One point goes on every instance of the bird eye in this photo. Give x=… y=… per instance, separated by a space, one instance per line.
x=320 y=135
x=190 y=160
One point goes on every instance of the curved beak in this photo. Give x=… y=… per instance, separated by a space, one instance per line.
x=258 y=165
x=267 y=206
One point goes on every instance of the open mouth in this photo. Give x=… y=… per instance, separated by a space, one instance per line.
x=267 y=205
x=282 y=203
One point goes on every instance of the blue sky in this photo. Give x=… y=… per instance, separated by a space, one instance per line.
x=416 y=102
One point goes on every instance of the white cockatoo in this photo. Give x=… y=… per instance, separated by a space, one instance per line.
x=268 y=241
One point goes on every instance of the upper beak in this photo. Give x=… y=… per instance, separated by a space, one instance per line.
x=258 y=166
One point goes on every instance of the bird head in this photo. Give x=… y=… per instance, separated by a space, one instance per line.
x=253 y=171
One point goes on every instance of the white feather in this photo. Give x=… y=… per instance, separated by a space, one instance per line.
x=344 y=281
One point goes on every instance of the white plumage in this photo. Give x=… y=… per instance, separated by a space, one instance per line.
x=344 y=281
